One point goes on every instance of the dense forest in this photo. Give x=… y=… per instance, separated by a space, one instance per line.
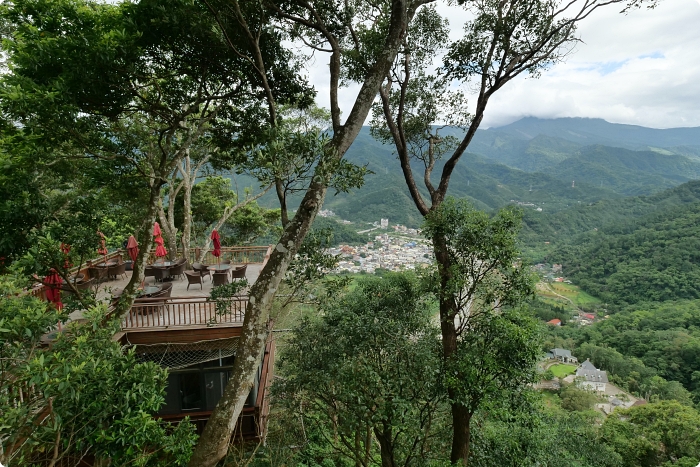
x=167 y=286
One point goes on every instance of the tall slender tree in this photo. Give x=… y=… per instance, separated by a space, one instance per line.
x=502 y=40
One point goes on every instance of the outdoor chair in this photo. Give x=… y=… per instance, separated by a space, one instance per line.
x=150 y=271
x=179 y=269
x=117 y=270
x=220 y=278
x=239 y=273
x=78 y=277
x=161 y=273
x=202 y=269
x=99 y=273
x=194 y=277
x=79 y=285
x=228 y=261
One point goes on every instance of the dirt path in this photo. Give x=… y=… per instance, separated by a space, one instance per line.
x=547 y=288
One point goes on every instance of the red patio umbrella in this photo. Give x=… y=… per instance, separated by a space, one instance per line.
x=217 y=245
x=132 y=247
x=53 y=288
x=161 y=252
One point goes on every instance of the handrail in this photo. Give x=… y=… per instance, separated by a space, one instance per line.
x=173 y=312
x=236 y=254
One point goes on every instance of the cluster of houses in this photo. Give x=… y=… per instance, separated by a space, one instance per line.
x=391 y=253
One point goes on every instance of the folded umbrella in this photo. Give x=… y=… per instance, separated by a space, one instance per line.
x=132 y=247
x=53 y=288
x=217 y=245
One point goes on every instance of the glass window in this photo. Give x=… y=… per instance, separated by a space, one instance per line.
x=191 y=390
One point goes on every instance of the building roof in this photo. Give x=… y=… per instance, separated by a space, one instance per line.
x=554 y=322
x=590 y=373
x=561 y=353
x=587 y=365
x=589 y=316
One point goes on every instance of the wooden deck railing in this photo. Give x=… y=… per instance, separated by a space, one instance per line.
x=236 y=254
x=182 y=312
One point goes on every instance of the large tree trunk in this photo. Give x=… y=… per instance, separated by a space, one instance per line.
x=461 y=416
x=385 y=438
x=143 y=237
x=167 y=222
x=461 y=434
x=213 y=444
x=188 y=183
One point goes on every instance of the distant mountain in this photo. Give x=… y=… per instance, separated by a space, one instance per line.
x=531 y=162
x=590 y=131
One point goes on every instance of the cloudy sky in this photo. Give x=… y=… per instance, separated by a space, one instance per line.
x=642 y=68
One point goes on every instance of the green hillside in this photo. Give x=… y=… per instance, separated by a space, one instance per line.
x=653 y=258
x=626 y=172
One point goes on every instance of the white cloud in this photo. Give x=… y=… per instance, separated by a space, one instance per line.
x=641 y=68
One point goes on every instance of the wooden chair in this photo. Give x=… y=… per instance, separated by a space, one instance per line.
x=202 y=269
x=167 y=288
x=194 y=277
x=220 y=278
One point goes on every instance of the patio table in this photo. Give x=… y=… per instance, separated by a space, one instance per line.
x=219 y=267
x=149 y=290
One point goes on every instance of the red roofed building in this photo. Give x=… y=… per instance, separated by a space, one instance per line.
x=554 y=322
x=589 y=316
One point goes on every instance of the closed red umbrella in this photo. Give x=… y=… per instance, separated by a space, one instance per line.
x=53 y=288
x=217 y=245
x=132 y=247
x=156 y=229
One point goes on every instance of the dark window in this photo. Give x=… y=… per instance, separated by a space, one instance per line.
x=191 y=391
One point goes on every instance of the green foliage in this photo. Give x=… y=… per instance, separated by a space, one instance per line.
x=82 y=395
x=494 y=360
x=661 y=434
x=537 y=436
x=484 y=261
x=652 y=259
x=658 y=339
x=575 y=399
x=367 y=367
